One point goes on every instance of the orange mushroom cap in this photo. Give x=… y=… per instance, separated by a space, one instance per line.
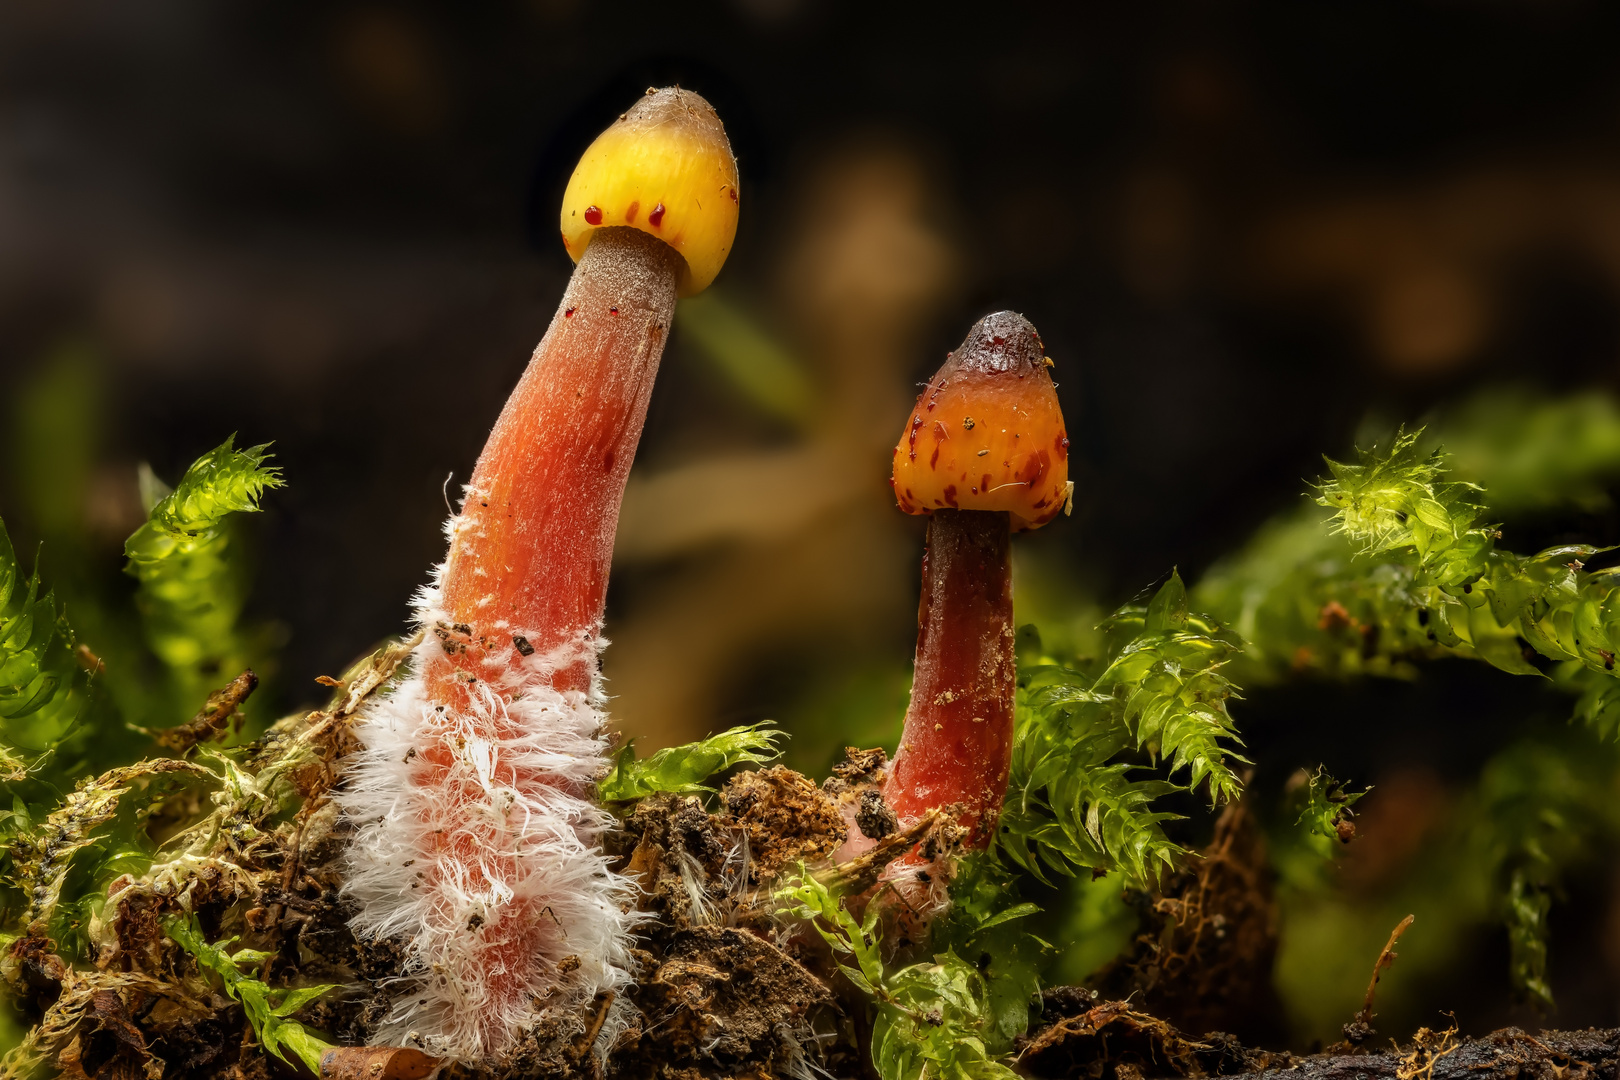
x=987 y=433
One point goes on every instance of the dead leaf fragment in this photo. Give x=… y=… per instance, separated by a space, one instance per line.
x=376 y=1063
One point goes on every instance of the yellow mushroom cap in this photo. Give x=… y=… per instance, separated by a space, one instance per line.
x=987 y=433
x=666 y=168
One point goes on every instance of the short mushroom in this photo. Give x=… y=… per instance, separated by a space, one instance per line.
x=983 y=453
x=477 y=842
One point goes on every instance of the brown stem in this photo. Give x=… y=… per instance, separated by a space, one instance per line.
x=1385 y=959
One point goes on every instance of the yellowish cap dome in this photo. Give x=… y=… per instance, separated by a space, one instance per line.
x=666 y=168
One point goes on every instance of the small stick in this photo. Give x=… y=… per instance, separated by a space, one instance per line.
x=211 y=719
x=1362 y=1024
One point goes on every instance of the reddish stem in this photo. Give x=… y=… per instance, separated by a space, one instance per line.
x=527 y=574
x=957 y=744
x=531 y=555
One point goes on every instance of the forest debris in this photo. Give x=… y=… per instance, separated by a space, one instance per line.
x=1113 y=1041
x=303 y=748
x=788 y=818
x=862 y=872
x=1357 y=1030
x=721 y=1002
x=94 y=997
x=859 y=768
x=67 y=830
x=1204 y=955
x=356 y=686
x=211 y=719
x=1508 y=1054
x=361 y=679
x=680 y=849
x=875 y=819
x=1428 y=1047
x=231 y=865
x=376 y=1063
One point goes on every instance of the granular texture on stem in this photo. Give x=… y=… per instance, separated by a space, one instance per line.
x=957 y=744
x=478 y=840
x=531 y=549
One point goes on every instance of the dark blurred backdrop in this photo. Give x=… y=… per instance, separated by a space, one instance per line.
x=1242 y=228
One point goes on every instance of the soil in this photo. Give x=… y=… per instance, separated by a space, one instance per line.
x=726 y=988
x=723 y=990
x=1113 y=1041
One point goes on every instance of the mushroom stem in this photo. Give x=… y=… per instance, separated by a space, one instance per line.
x=529 y=555
x=957 y=744
x=499 y=750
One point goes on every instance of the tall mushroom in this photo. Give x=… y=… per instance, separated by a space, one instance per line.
x=984 y=453
x=478 y=837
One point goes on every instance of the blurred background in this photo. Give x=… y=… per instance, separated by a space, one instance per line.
x=1242 y=229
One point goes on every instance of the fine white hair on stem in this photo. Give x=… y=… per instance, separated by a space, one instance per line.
x=696 y=882
x=478 y=847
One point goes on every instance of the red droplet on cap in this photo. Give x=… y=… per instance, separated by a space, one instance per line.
x=656 y=217
x=593 y=214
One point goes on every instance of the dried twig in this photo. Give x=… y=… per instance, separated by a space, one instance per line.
x=1357 y=1030
x=862 y=872
x=210 y=721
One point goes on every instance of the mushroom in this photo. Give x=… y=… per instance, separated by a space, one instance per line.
x=477 y=841
x=984 y=453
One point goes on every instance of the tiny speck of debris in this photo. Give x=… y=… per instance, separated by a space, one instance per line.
x=874 y=817
x=521 y=644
